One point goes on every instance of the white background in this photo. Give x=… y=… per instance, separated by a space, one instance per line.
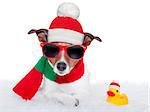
x=123 y=25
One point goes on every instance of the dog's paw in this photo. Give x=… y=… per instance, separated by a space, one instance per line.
x=77 y=102
x=66 y=100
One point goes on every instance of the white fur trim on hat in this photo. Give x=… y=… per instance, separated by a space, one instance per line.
x=115 y=87
x=69 y=10
x=65 y=35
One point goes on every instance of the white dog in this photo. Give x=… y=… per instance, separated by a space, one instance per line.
x=63 y=46
x=65 y=93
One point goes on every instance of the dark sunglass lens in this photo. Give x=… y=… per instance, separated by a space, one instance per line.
x=75 y=52
x=50 y=50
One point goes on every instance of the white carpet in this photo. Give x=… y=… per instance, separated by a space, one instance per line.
x=137 y=94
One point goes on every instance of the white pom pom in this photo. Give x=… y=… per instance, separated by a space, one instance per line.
x=69 y=10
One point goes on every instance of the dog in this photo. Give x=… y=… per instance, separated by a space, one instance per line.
x=67 y=93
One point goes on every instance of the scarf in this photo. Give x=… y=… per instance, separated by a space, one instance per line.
x=29 y=85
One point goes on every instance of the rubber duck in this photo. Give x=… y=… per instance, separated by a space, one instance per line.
x=114 y=95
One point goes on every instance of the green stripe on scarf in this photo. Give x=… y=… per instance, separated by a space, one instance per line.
x=44 y=67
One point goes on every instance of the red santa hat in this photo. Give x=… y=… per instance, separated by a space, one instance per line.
x=65 y=27
x=115 y=85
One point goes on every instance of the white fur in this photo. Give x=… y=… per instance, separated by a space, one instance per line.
x=65 y=35
x=115 y=87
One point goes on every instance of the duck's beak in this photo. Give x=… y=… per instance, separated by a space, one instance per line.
x=110 y=93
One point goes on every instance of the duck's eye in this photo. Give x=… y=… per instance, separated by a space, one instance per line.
x=117 y=91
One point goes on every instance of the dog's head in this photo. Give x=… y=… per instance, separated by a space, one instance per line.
x=62 y=56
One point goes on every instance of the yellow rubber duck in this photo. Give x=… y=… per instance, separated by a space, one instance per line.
x=114 y=95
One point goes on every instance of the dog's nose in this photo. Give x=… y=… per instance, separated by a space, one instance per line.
x=61 y=66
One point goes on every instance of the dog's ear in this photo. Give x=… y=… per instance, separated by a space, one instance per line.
x=88 y=38
x=41 y=33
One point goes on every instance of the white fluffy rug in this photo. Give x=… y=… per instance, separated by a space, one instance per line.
x=137 y=94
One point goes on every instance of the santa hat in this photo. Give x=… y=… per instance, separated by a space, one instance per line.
x=115 y=85
x=65 y=27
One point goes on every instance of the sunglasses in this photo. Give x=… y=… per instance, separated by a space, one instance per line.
x=51 y=50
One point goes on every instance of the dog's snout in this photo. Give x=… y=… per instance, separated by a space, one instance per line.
x=61 y=66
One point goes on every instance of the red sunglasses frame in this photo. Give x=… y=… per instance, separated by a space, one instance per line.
x=61 y=47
